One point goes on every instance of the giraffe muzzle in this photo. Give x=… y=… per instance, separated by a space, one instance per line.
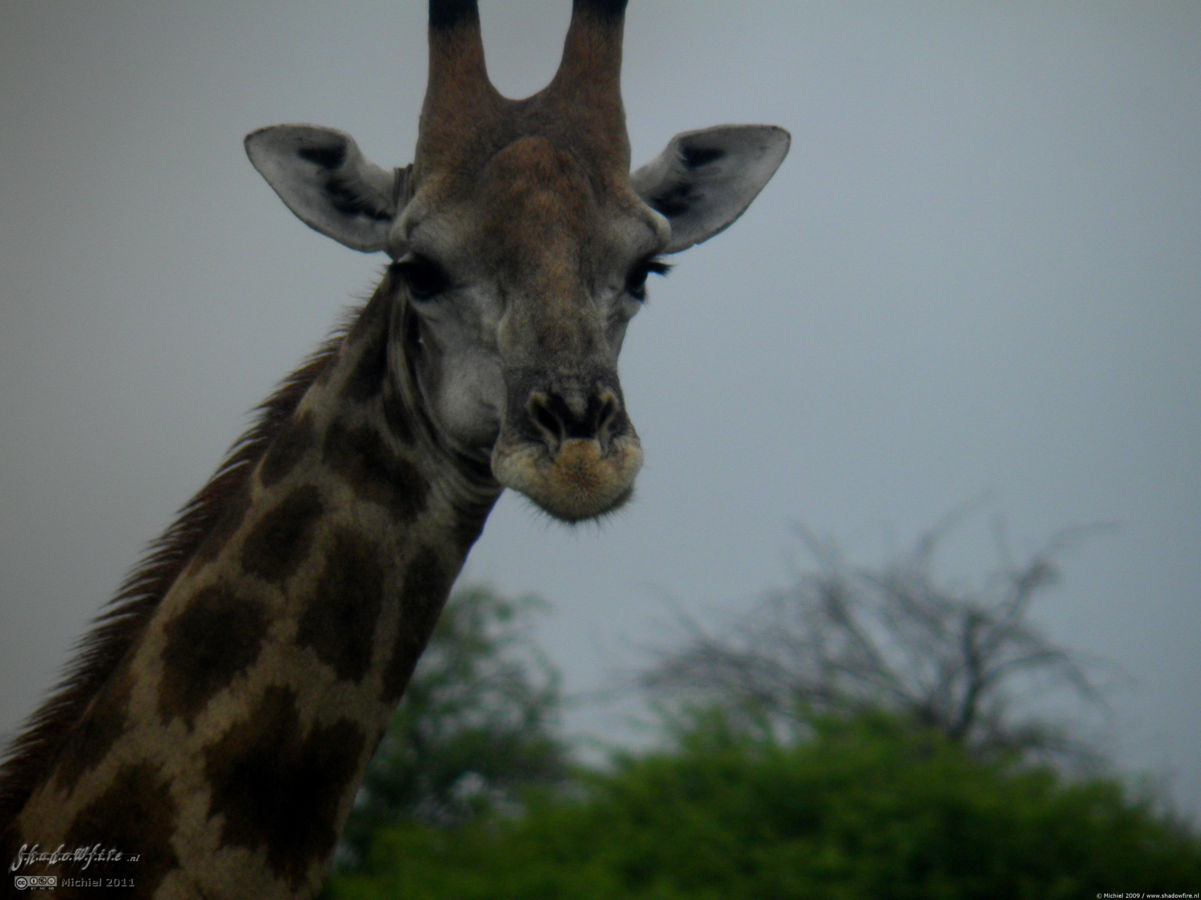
x=570 y=448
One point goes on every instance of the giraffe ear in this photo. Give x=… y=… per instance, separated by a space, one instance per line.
x=323 y=177
x=706 y=179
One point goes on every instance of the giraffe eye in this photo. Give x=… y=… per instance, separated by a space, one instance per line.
x=636 y=280
x=424 y=277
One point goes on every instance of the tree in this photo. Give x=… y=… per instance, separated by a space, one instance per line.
x=867 y=807
x=476 y=725
x=885 y=770
x=841 y=641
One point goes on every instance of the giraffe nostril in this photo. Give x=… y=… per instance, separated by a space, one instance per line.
x=547 y=422
x=555 y=418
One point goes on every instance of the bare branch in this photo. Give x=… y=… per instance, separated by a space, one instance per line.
x=841 y=640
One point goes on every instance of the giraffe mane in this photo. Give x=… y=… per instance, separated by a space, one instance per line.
x=31 y=754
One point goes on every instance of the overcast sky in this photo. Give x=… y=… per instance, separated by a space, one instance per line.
x=977 y=273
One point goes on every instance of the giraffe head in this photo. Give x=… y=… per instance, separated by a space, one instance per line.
x=520 y=245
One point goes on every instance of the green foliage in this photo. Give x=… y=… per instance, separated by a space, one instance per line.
x=867 y=808
x=476 y=725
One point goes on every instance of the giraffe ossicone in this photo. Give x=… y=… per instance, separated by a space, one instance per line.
x=219 y=719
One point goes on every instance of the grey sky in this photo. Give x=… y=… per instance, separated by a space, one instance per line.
x=976 y=272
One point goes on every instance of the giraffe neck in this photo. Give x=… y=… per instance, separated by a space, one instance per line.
x=226 y=744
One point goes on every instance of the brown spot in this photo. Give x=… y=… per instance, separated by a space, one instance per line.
x=104 y=722
x=367 y=379
x=426 y=584
x=223 y=529
x=470 y=524
x=136 y=815
x=340 y=618
x=286 y=451
x=280 y=541
x=279 y=789
x=397 y=417
x=217 y=636
x=374 y=471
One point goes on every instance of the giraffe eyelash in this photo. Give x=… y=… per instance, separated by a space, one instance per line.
x=636 y=280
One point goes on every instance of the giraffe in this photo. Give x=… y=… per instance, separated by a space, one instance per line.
x=209 y=739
